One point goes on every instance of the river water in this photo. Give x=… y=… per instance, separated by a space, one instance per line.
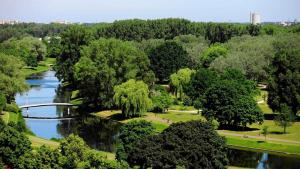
x=99 y=133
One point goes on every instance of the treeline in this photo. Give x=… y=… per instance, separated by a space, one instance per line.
x=138 y=30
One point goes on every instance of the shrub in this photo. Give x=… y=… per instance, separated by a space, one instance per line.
x=12 y=108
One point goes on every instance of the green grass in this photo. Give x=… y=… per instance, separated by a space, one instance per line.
x=254 y=144
x=180 y=116
x=5 y=117
x=43 y=66
x=275 y=131
x=234 y=167
x=181 y=107
x=37 y=142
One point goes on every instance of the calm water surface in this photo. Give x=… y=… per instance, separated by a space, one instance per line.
x=102 y=134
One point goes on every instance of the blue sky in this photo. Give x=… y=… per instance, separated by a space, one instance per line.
x=110 y=10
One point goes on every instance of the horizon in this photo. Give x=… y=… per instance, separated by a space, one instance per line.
x=97 y=11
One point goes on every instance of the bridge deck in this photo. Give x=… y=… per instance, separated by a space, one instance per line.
x=46 y=104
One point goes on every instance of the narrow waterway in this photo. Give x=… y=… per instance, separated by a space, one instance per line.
x=102 y=134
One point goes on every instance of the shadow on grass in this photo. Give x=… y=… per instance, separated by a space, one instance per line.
x=278 y=132
x=237 y=128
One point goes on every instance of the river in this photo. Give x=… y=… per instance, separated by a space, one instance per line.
x=99 y=133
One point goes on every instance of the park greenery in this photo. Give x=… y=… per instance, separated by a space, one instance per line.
x=145 y=67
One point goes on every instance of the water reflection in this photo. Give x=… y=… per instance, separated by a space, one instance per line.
x=249 y=159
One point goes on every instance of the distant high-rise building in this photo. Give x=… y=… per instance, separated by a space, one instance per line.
x=255 y=18
x=10 y=22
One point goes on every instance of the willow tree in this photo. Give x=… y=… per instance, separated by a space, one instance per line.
x=180 y=79
x=133 y=98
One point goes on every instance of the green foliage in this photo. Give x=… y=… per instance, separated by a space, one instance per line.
x=254 y=30
x=71 y=42
x=12 y=145
x=192 y=144
x=130 y=133
x=2 y=102
x=251 y=55
x=106 y=63
x=180 y=79
x=194 y=46
x=265 y=131
x=161 y=99
x=12 y=80
x=13 y=107
x=133 y=98
x=284 y=80
x=222 y=32
x=229 y=105
x=53 y=47
x=29 y=49
x=285 y=117
x=211 y=53
x=201 y=80
x=167 y=59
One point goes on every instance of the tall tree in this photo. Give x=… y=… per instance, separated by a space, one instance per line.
x=31 y=50
x=167 y=59
x=12 y=80
x=71 y=42
x=213 y=52
x=285 y=75
x=180 y=79
x=133 y=98
x=285 y=117
x=106 y=63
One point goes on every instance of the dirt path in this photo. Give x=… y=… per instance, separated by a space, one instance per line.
x=258 y=137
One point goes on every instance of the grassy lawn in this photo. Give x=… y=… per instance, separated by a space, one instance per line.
x=37 y=142
x=43 y=66
x=181 y=107
x=275 y=131
x=248 y=143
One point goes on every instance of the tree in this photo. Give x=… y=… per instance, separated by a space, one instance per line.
x=167 y=59
x=191 y=144
x=201 y=80
x=12 y=80
x=284 y=80
x=230 y=106
x=71 y=42
x=211 y=53
x=2 y=102
x=54 y=47
x=180 y=79
x=130 y=133
x=254 y=30
x=106 y=63
x=31 y=50
x=284 y=118
x=265 y=131
x=251 y=55
x=12 y=145
x=161 y=99
x=133 y=98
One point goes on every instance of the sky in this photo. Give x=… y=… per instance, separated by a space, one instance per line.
x=88 y=11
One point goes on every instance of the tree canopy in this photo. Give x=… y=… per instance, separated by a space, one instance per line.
x=130 y=134
x=29 y=49
x=168 y=58
x=12 y=80
x=106 y=63
x=133 y=98
x=192 y=144
x=284 y=79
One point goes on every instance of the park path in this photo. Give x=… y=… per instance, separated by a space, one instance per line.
x=257 y=137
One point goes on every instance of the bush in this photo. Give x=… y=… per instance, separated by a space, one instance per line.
x=187 y=101
x=130 y=133
x=20 y=126
x=13 y=107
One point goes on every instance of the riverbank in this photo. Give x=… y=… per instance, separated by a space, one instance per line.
x=43 y=66
x=162 y=120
